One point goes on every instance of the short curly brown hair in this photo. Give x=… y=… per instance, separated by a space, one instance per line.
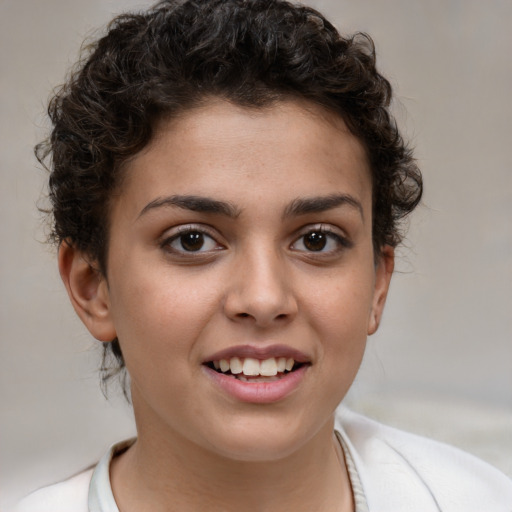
x=170 y=58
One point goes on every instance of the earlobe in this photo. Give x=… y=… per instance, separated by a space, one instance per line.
x=383 y=272
x=88 y=292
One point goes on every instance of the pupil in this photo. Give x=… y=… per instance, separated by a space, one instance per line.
x=315 y=241
x=192 y=241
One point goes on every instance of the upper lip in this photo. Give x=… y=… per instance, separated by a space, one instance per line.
x=259 y=352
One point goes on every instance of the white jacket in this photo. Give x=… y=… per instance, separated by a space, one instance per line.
x=402 y=472
x=399 y=472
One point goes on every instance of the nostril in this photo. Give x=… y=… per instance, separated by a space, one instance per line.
x=282 y=316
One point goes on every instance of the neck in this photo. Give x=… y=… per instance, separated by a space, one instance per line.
x=171 y=475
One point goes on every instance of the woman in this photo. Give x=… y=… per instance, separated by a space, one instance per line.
x=227 y=186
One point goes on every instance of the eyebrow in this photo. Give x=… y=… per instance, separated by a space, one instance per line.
x=303 y=206
x=193 y=203
x=299 y=206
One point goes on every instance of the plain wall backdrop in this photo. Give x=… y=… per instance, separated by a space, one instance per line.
x=441 y=363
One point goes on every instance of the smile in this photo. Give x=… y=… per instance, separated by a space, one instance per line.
x=259 y=374
x=250 y=369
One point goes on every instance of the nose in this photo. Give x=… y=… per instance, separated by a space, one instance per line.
x=260 y=291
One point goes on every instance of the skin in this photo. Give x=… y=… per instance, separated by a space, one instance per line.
x=254 y=282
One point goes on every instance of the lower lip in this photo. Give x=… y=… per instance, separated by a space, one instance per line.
x=258 y=392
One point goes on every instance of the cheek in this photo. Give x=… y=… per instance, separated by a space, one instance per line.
x=157 y=313
x=340 y=313
x=343 y=304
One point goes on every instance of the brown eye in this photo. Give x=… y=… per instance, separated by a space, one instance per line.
x=192 y=241
x=321 y=240
x=189 y=241
x=315 y=241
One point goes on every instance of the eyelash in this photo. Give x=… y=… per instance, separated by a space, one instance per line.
x=330 y=235
x=166 y=244
x=341 y=242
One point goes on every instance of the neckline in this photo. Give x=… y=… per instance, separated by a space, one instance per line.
x=101 y=497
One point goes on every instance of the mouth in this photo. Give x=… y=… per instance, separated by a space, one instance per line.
x=249 y=369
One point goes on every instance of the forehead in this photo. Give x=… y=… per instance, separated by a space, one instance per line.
x=239 y=153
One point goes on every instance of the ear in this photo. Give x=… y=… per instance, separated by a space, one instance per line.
x=383 y=272
x=88 y=292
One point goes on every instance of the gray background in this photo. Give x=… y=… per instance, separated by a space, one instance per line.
x=441 y=362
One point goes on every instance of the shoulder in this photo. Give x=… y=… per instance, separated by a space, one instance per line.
x=409 y=472
x=90 y=488
x=67 y=496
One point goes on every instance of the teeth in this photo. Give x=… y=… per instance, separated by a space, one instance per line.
x=268 y=367
x=258 y=379
x=235 y=365
x=251 y=367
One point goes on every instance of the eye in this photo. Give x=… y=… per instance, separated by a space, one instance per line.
x=191 y=241
x=320 y=240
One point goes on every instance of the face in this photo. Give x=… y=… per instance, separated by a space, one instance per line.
x=241 y=277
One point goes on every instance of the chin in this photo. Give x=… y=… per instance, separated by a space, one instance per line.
x=258 y=449
x=252 y=440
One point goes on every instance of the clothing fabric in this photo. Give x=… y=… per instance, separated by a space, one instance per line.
x=402 y=472
x=360 y=503
x=390 y=471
